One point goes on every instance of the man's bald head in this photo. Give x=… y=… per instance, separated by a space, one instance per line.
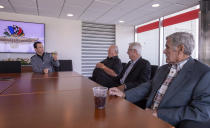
x=113 y=51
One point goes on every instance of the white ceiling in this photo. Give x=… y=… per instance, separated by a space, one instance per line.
x=133 y=12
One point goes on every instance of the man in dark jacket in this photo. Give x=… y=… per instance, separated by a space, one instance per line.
x=137 y=71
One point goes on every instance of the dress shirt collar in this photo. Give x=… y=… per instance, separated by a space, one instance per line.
x=180 y=64
x=133 y=62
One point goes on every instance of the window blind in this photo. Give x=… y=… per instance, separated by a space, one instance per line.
x=96 y=39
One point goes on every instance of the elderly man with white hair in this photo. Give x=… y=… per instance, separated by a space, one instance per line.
x=180 y=90
x=137 y=71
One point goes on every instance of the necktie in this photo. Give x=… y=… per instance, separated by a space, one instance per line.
x=122 y=80
x=162 y=90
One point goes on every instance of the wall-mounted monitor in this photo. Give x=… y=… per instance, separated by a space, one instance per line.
x=18 y=37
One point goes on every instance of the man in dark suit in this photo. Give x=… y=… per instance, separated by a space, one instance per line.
x=137 y=71
x=180 y=90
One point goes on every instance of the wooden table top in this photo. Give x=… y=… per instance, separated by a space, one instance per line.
x=5 y=84
x=49 y=85
x=67 y=102
x=31 y=75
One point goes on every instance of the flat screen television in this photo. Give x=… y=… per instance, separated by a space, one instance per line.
x=18 y=37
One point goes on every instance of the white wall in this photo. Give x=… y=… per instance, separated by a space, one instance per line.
x=124 y=36
x=63 y=36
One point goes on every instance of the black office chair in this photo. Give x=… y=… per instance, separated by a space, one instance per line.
x=193 y=124
x=10 y=67
x=65 y=65
x=153 y=70
x=142 y=103
x=124 y=65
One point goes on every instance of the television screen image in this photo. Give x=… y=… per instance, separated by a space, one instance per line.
x=18 y=37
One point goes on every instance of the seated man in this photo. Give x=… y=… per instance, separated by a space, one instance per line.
x=137 y=71
x=180 y=90
x=43 y=62
x=108 y=68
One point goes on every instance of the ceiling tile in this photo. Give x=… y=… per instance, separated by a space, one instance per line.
x=53 y=9
x=7 y=6
x=91 y=15
x=122 y=9
x=187 y=3
x=30 y=11
x=95 y=10
x=49 y=5
x=23 y=3
x=81 y=3
x=50 y=13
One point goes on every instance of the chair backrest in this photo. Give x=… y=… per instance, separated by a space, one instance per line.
x=194 y=124
x=10 y=67
x=153 y=70
x=124 y=65
x=65 y=65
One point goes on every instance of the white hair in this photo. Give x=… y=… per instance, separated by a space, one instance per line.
x=183 y=38
x=136 y=46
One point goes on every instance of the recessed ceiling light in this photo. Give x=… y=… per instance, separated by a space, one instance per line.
x=1 y=6
x=70 y=14
x=155 y=5
x=121 y=21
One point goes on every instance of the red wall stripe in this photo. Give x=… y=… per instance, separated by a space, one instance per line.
x=170 y=21
x=148 y=27
x=181 y=18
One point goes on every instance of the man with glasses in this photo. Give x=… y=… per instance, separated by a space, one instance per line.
x=137 y=71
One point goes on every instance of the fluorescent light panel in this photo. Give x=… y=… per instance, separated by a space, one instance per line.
x=121 y=21
x=70 y=14
x=1 y=6
x=155 y=5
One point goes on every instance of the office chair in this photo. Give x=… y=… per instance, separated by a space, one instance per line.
x=10 y=67
x=153 y=70
x=193 y=124
x=124 y=65
x=65 y=65
x=142 y=103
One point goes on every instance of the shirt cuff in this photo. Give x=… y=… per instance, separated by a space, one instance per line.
x=125 y=86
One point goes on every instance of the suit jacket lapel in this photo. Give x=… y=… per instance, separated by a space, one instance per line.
x=123 y=71
x=178 y=82
x=157 y=83
x=134 y=67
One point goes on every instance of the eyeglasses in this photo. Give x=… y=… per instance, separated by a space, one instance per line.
x=130 y=49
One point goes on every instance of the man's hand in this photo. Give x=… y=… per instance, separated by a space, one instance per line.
x=153 y=112
x=46 y=70
x=121 y=87
x=116 y=92
x=55 y=56
x=100 y=65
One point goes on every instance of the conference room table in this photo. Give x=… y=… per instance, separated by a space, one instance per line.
x=64 y=100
